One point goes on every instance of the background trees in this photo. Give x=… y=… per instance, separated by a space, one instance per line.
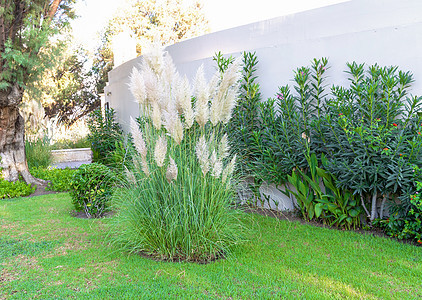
x=26 y=48
x=167 y=21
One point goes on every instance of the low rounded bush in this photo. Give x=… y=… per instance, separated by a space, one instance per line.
x=91 y=188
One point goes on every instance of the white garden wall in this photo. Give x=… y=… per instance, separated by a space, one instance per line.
x=387 y=32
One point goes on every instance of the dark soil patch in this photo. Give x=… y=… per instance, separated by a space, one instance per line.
x=294 y=216
x=82 y=215
x=41 y=190
x=156 y=257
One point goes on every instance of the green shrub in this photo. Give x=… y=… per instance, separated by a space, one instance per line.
x=38 y=153
x=335 y=206
x=91 y=188
x=15 y=189
x=178 y=198
x=369 y=133
x=104 y=135
x=405 y=220
x=59 y=178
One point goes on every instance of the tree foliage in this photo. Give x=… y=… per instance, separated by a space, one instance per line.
x=167 y=21
x=25 y=31
x=67 y=90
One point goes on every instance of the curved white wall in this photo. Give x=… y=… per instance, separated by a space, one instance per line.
x=387 y=32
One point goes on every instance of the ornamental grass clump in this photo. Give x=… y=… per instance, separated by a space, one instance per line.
x=178 y=197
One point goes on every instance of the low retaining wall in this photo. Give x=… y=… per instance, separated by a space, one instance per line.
x=71 y=155
x=270 y=196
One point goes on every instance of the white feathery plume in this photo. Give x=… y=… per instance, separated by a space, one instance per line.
x=154 y=58
x=173 y=123
x=129 y=175
x=201 y=93
x=137 y=86
x=184 y=101
x=215 y=111
x=145 y=168
x=228 y=171
x=224 y=95
x=224 y=148
x=143 y=165
x=189 y=117
x=160 y=150
x=217 y=165
x=213 y=158
x=178 y=130
x=171 y=173
x=151 y=84
x=216 y=96
x=232 y=75
x=166 y=92
x=156 y=115
x=169 y=72
x=228 y=105
x=202 y=153
x=138 y=138
x=213 y=84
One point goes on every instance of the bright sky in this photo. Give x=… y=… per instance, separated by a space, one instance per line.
x=222 y=14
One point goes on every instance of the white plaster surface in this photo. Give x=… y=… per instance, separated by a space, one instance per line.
x=386 y=32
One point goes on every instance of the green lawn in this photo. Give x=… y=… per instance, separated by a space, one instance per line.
x=45 y=253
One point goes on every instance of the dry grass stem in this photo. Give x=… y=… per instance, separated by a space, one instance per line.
x=171 y=173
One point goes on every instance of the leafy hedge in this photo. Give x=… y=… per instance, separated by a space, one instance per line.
x=15 y=189
x=365 y=139
x=59 y=179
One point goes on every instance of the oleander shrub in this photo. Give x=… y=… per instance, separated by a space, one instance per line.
x=178 y=199
x=58 y=179
x=368 y=133
x=91 y=189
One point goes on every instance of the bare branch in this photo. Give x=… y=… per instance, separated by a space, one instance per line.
x=53 y=9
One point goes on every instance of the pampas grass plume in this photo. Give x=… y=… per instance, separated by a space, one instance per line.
x=202 y=153
x=202 y=95
x=228 y=171
x=156 y=115
x=138 y=138
x=137 y=86
x=160 y=151
x=224 y=148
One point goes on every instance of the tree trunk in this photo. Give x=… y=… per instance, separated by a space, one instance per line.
x=12 y=132
x=386 y=196
x=374 y=205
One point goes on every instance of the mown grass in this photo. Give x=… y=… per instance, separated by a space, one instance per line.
x=48 y=254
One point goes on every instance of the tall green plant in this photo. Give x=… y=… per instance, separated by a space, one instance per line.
x=245 y=115
x=178 y=197
x=38 y=153
x=105 y=134
x=281 y=139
